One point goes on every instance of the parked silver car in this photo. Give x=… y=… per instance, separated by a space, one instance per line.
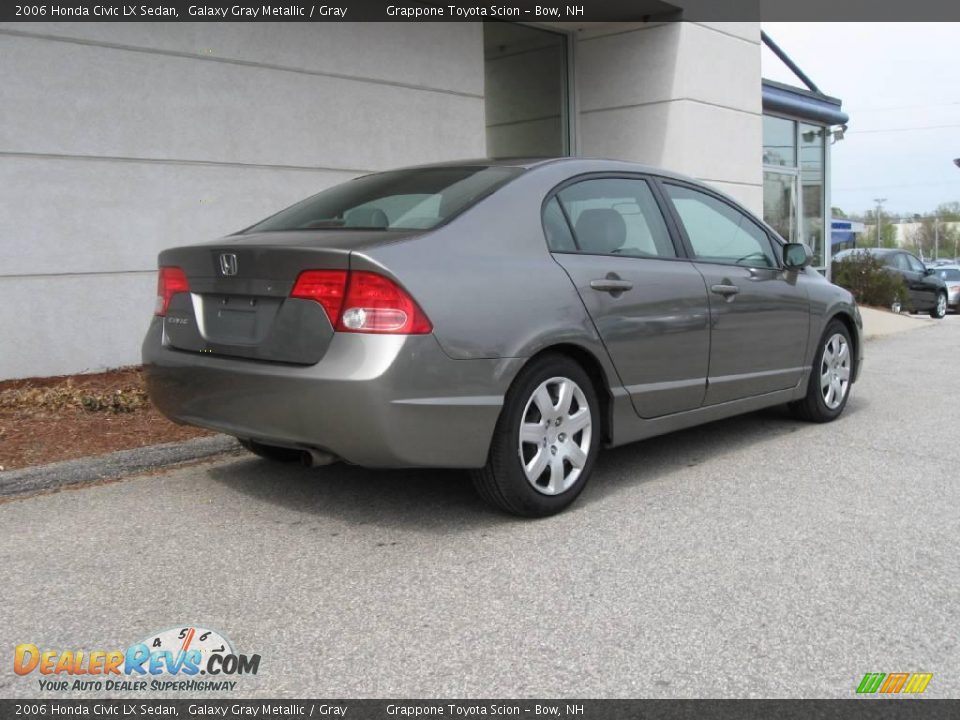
x=950 y=274
x=507 y=317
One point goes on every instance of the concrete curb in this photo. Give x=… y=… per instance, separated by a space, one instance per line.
x=122 y=463
x=879 y=323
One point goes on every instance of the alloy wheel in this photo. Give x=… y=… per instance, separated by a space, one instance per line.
x=835 y=371
x=555 y=432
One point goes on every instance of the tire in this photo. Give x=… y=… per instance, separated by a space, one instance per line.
x=272 y=452
x=565 y=391
x=820 y=405
x=939 y=310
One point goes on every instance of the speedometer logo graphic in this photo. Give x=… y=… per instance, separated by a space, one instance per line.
x=178 y=640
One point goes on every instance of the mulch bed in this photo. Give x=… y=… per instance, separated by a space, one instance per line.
x=44 y=420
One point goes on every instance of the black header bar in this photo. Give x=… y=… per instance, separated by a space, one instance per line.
x=196 y=709
x=544 y=11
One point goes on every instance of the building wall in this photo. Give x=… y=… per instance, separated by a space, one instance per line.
x=117 y=140
x=684 y=96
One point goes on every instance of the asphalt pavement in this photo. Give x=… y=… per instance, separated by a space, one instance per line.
x=753 y=557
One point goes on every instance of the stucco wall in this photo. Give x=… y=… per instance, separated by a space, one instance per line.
x=683 y=96
x=117 y=140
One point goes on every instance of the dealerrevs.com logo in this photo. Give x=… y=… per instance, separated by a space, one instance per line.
x=173 y=659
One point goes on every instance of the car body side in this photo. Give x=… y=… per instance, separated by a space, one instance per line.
x=952 y=284
x=434 y=400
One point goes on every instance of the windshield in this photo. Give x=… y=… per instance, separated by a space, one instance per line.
x=949 y=273
x=414 y=199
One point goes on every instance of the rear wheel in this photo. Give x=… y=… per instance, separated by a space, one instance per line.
x=272 y=452
x=545 y=442
x=829 y=384
x=940 y=309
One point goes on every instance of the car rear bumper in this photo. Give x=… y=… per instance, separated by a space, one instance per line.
x=374 y=400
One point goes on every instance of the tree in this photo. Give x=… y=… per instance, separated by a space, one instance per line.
x=838 y=213
x=948 y=212
x=888 y=231
x=922 y=239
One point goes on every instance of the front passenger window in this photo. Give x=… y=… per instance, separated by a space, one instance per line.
x=718 y=232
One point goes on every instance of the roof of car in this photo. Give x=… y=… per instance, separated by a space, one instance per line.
x=587 y=163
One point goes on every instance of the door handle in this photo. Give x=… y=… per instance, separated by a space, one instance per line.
x=611 y=285
x=725 y=290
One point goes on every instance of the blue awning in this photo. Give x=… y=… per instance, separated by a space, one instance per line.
x=804 y=104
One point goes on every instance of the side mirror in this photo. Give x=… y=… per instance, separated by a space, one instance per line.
x=796 y=256
x=929 y=271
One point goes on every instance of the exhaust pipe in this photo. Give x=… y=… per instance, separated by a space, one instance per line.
x=312 y=458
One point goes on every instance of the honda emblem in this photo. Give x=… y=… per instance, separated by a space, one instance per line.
x=228 y=263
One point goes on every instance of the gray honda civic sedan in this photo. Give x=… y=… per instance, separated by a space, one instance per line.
x=510 y=317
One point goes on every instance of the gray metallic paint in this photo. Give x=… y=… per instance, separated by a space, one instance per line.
x=497 y=297
x=375 y=400
x=657 y=333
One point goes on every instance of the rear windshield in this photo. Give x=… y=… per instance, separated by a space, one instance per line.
x=397 y=200
x=949 y=274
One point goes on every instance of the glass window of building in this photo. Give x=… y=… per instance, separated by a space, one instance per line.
x=780 y=202
x=794 y=188
x=779 y=141
x=811 y=180
x=525 y=81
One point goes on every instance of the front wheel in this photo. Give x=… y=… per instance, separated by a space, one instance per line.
x=545 y=442
x=940 y=309
x=829 y=385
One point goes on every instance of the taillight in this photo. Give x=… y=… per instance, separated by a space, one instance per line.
x=363 y=302
x=170 y=281
x=324 y=286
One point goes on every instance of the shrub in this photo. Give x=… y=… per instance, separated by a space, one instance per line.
x=864 y=275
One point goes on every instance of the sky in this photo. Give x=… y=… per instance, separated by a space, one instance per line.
x=895 y=79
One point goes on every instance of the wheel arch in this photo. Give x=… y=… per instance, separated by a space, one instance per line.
x=595 y=371
x=852 y=329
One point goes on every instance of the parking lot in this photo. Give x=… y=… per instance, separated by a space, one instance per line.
x=757 y=557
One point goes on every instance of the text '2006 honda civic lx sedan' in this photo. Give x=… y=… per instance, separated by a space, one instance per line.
x=506 y=317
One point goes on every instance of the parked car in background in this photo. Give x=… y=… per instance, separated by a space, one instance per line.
x=926 y=291
x=506 y=317
x=950 y=274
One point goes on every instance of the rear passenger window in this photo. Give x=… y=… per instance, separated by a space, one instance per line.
x=616 y=216
x=718 y=232
x=559 y=237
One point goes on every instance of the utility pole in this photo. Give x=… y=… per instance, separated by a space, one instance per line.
x=879 y=202
x=936 y=237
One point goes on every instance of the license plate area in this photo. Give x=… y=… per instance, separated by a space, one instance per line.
x=238 y=319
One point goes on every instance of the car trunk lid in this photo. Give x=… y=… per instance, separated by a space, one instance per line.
x=239 y=303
